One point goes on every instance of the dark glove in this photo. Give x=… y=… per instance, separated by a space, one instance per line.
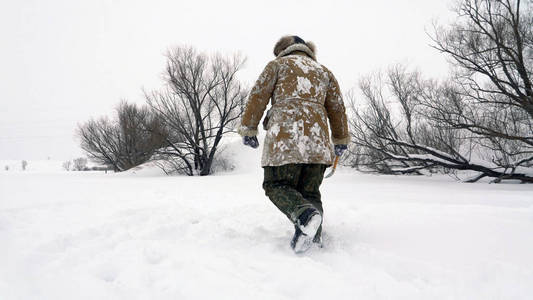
x=339 y=149
x=250 y=141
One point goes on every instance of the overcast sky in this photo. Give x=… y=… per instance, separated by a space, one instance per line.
x=63 y=62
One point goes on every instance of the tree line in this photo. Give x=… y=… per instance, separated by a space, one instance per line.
x=479 y=119
x=181 y=125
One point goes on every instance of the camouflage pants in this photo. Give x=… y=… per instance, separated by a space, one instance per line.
x=295 y=187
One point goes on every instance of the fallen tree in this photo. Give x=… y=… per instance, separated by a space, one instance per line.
x=396 y=131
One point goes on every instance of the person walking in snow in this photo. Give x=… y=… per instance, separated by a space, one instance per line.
x=304 y=95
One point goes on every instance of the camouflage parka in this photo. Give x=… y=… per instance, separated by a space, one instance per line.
x=304 y=95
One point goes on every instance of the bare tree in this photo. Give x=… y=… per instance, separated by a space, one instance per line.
x=389 y=129
x=128 y=141
x=67 y=164
x=396 y=130
x=491 y=49
x=481 y=120
x=141 y=134
x=80 y=164
x=100 y=139
x=200 y=103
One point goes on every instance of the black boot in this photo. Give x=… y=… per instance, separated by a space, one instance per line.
x=306 y=227
x=318 y=236
x=297 y=234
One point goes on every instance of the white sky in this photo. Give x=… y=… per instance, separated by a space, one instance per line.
x=63 y=62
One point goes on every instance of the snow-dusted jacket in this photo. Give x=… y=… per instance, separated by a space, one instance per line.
x=304 y=96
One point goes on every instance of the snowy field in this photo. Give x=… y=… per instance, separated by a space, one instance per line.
x=143 y=235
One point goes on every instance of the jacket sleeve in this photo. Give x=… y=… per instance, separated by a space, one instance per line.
x=258 y=100
x=336 y=113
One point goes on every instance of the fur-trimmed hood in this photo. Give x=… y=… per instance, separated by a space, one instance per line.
x=292 y=43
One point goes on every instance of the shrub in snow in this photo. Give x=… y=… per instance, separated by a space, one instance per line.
x=66 y=165
x=222 y=163
x=80 y=164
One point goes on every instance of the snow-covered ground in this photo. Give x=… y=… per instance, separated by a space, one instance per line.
x=143 y=235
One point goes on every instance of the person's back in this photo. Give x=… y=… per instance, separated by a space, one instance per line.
x=304 y=95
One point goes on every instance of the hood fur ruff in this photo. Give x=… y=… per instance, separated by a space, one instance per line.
x=297 y=47
x=288 y=44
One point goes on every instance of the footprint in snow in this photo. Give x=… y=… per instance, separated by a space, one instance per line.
x=154 y=255
x=107 y=272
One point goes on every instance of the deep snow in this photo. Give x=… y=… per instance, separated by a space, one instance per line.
x=142 y=235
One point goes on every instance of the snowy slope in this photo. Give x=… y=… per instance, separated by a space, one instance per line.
x=140 y=235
